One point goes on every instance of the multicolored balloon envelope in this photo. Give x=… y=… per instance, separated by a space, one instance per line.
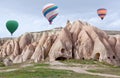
x=50 y=11
x=12 y=26
x=102 y=13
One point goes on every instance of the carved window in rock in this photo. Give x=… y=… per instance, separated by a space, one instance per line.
x=97 y=56
x=108 y=57
x=113 y=57
x=62 y=50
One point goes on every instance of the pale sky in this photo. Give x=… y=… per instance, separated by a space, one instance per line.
x=29 y=14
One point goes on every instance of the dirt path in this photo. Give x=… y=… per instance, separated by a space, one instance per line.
x=82 y=70
x=58 y=65
x=16 y=68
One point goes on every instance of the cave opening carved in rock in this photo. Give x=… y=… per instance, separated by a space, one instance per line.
x=97 y=56
x=62 y=50
x=61 y=58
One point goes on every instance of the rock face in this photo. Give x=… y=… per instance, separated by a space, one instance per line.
x=62 y=47
x=79 y=40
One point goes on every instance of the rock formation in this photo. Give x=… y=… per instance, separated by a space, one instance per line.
x=78 y=40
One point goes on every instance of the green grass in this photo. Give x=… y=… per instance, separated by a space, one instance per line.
x=41 y=64
x=44 y=73
x=39 y=70
x=10 y=67
x=88 y=62
x=1 y=64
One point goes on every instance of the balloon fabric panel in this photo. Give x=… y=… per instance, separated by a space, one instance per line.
x=50 y=11
x=12 y=26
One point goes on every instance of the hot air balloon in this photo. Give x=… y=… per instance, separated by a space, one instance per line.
x=102 y=13
x=50 y=11
x=12 y=26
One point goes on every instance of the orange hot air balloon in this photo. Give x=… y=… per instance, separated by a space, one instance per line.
x=102 y=13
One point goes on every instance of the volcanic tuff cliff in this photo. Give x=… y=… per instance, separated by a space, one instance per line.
x=78 y=40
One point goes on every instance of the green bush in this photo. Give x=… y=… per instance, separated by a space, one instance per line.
x=1 y=64
x=80 y=61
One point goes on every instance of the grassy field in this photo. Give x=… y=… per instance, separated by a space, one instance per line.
x=106 y=68
x=88 y=62
x=40 y=70
x=79 y=61
x=32 y=72
x=44 y=73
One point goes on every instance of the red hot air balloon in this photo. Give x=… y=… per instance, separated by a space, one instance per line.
x=102 y=13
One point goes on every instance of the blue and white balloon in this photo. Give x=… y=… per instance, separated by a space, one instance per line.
x=50 y=11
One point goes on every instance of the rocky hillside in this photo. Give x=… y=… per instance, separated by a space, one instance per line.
x=112 y=32
x=78 y=40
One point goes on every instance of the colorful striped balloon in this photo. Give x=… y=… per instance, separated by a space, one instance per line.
x=102 y=13
x=50 y=11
